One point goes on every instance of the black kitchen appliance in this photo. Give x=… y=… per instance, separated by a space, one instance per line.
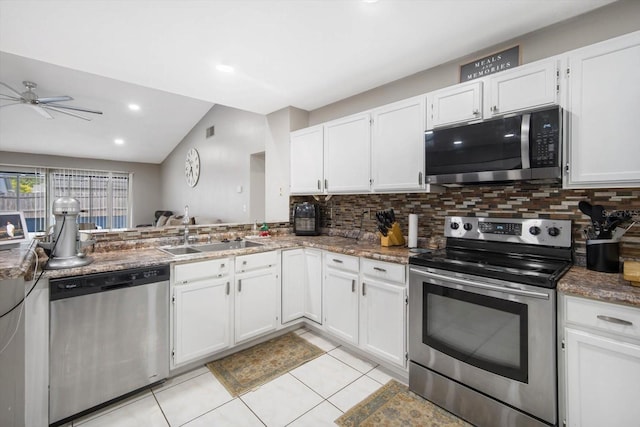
x=482 y=330
x=521 y=147
x=306 y=219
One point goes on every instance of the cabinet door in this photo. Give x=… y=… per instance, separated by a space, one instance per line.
x=397 y=153
x=457 y=104
x=306 y=162
x=293 y=284
x=202 y=321
x=383 y=320
x=313 y=291
x=341 y=304
x=256 y=303
x=525 y=87
x=603 y=375
x=603 y=104
x=347 y=144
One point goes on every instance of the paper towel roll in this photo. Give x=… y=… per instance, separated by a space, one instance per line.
x=413 y=231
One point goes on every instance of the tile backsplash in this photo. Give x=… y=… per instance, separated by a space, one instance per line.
x=513 y=200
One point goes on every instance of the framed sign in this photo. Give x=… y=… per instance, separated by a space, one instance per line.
x=490 y=64
x=13 y=229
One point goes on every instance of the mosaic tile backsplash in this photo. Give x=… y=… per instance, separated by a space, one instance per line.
x=518 y=200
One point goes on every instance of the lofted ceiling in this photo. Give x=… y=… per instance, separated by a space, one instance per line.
x=163 y=55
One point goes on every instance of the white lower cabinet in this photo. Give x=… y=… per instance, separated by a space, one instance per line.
x=341 y=296
x=383 y=311
x=256 y=295
x=602 y=363
x=302 y=285
x=202 y=302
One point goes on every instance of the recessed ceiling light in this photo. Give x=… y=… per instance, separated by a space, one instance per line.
x=119 y=141
x=225 y=68
x=369 y=1
x=134 y=107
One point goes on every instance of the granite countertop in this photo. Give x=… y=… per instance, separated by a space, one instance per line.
x=17 y=263
x=608 y=287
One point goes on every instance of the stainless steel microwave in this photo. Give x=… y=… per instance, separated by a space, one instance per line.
x=522 y=147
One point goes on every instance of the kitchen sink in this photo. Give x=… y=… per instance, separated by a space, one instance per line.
x=210 y=247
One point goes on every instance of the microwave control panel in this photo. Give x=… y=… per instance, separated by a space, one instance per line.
x=545 y=138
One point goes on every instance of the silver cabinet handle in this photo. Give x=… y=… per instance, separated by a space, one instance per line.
x=419 y=178
x=228 y=288
x=319 y=184
x=380 y=269
x=326 y=184
x=614 y=320
x=476 y=112
x=339 y=261
x=353 y=285
x=239 y=285
x=364 y=292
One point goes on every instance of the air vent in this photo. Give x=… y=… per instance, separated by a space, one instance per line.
x=211 y=131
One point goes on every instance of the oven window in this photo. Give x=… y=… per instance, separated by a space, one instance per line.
x=486 y=332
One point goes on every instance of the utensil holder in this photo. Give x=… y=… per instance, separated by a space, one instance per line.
x=394 y=236
x=603 y=255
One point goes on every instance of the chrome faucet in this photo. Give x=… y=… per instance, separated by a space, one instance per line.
x=186 y=220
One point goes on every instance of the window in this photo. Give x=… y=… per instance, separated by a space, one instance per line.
x=25 y=192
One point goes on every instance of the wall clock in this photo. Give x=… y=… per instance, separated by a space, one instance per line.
x=192 y=167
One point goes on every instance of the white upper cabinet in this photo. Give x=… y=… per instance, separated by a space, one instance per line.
x=529 y=86
x=603 y=101
x=347 y=147
x=397 y=153
x=307 y=166
x=456 y=104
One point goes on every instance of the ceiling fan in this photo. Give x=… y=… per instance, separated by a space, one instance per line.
x=42 y=105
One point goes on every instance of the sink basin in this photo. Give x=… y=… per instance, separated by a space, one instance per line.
x=181 y=250
x=210 y=247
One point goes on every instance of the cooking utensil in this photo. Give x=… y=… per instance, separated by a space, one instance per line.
x=585 y=208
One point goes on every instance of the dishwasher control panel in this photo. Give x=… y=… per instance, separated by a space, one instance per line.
x=68 y=287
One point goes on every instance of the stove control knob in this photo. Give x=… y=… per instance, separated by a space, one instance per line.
x=468 y=226
x=554 y=231
x=454 y=226
x=535 y=230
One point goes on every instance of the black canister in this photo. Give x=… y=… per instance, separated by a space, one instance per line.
x=603 y=255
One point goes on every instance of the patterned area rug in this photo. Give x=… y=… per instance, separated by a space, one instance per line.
x=394 y=405
x=247 y=369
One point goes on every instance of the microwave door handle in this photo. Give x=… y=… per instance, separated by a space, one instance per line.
x=525 y=140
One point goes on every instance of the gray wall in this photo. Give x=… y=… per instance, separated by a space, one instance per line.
x=607 y=22
x=146 y=177
x=224 y=166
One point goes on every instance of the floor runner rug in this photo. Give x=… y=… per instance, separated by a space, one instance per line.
x=254 y=366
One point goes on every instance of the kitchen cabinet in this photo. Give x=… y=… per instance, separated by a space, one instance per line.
x=257 y=295
x=302 y=285
x=341 y=296
x=601 y=360
x=461 y=103
x=383 y=310
x=347 y=147
x=527 y=87
x=397 y=146
x=603 y=99
x=307 y=165
x=202 y=304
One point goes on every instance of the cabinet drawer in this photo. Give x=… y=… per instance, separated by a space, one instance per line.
x=199 y=270
x=614 y=318
x=341 y=262
x=387 y=271
x=254 y=261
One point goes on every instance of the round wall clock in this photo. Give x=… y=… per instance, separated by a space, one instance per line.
x=192 y=167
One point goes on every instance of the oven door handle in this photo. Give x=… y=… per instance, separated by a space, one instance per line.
x=506 y=290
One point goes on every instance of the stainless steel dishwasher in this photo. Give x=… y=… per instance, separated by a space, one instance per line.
x=109 y=337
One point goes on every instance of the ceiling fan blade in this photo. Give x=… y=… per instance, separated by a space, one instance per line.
x=9 y=97
x=13 y=103
x=42 y=112
x=69 y=113
x=54 y=99
x=69 y=107
x=15 y=92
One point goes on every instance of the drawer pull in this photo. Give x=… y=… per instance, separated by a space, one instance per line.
x=227 y=291
x=353 y=285
x=239 y=285
x=339 y=261
x=364 y=292
x=380 y=269
x=614 y=320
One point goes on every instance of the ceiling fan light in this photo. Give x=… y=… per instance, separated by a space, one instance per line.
x=119 y=141
x=134 y=107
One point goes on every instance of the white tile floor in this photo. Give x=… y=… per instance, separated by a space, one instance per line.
x=314 y=394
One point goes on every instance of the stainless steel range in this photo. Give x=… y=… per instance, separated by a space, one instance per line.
x=482 y=320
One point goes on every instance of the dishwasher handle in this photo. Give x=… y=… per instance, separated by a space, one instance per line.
x=116 y=286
